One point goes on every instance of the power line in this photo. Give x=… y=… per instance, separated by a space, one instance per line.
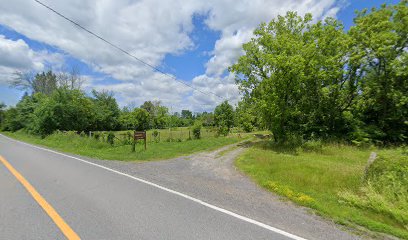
x=126 y=52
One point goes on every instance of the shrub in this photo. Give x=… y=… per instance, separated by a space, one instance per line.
x=197 y=129
x=312 y=146
x=156 y=136
x=97 y=135
x=385 y=189
x=223 y=130
x=110 y=138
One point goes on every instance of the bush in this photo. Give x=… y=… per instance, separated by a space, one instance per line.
x=156 y=136
x=312 y=146
x=97 y=135
x=223 y=130
x=197 y=129
x=247 y=126
x=110 y=138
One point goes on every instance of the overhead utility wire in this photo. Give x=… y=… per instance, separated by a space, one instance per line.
x=126 y=52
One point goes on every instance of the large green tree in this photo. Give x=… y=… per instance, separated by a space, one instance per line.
x=64 y=110
x=380 y=38
x=158 y=114
x=224 y=117
x=44 y=82
x=137 y=119
x=106 y=111
x=297 y=76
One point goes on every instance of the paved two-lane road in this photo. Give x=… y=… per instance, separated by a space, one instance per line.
x=98 y=203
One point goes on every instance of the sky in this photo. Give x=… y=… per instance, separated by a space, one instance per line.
x=192 y=41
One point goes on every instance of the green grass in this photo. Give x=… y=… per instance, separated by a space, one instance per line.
x=317 y=176
x=73 y=143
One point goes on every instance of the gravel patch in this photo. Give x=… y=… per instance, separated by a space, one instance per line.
x=214 y=179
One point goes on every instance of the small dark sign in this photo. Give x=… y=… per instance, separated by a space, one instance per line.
x=140 y=136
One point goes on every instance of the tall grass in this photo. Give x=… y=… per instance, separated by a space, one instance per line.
x=329 y=179
x=384 y=189
x=91 y=147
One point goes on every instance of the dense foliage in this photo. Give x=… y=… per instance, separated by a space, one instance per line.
x=224 y=117
x=315 y=80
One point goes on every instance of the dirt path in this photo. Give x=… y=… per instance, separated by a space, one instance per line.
x=214 y=179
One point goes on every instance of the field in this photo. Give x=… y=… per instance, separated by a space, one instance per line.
x=100 y=149
x=331 y=180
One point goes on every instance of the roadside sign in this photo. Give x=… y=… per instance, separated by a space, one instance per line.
x=140 y=136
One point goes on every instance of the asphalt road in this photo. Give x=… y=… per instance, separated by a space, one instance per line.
x=100 y=203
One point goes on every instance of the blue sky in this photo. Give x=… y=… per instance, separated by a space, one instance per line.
x=195 y=43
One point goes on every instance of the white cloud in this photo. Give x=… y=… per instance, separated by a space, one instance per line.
x=18 y=56
x=237 y=19
x=150 y=29
x=156 y=87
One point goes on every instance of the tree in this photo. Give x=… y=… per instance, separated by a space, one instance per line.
x=106 y=110
x=10 y=121
x=380 y=40
x=138 y=119
x=159 y=115
x=297 y=76
x=148 y=106
x=2 y=113
x=23 y=81
x=70 y=79
x=45 y=82
x=64 y=110
x=186 y=114
x=224 y=117
x=246 y=117
x=142 y=118
x=207 y=119
x=26 y=107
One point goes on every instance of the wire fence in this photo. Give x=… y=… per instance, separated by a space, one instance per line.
x=155 y=135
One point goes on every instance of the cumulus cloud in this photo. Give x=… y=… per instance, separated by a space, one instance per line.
x=18 y=56
x=150 y=29
x=155 y=87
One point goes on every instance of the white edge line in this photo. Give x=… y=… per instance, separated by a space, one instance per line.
x=246 y=219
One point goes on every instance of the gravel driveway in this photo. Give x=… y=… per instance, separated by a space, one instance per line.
x=213 y=178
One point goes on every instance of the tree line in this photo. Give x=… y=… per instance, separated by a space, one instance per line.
x=317 y=81
x=56 y=102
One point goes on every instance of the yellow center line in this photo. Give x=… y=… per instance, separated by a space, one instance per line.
x=63 y=226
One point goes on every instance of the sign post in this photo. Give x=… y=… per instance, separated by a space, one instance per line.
x=140 y=136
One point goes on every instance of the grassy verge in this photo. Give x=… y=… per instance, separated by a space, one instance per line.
x=331 y=180
x=90 y=147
